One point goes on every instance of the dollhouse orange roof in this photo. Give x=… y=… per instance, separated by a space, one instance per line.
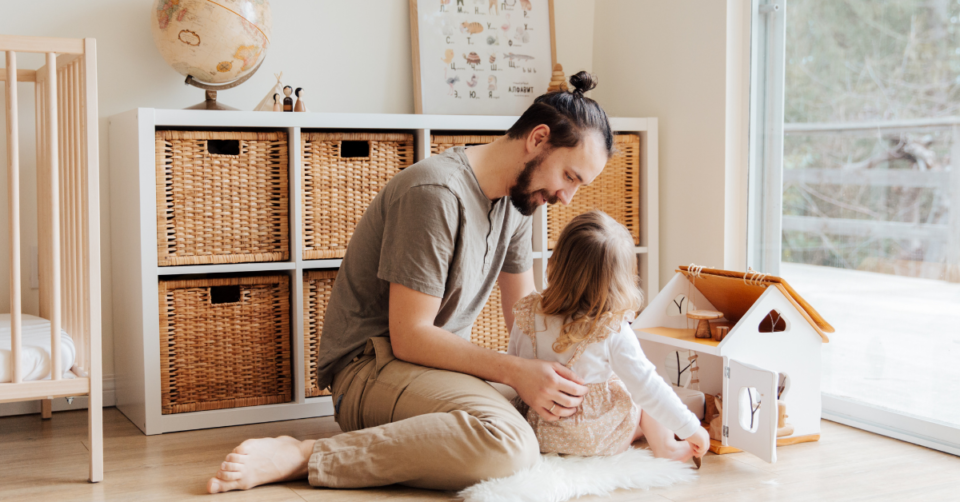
x=733 y=293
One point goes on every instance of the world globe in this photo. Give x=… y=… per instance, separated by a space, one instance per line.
x=214 y=42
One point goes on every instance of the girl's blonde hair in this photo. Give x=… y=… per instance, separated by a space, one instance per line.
x=592 y=277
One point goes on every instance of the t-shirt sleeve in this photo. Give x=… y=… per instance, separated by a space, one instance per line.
x=520 y=252
x=419 y=239
x=647 y=388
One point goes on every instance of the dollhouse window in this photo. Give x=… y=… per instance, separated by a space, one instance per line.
x=680 y=306
x=749 y=401
x=773 y=322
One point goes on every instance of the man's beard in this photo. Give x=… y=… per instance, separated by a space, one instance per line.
x=521 y=196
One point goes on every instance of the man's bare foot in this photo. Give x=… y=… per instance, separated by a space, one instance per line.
x=261 y=461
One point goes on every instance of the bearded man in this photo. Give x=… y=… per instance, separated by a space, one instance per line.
x=409 y=388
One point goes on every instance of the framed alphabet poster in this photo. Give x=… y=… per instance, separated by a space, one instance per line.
x=480 y=57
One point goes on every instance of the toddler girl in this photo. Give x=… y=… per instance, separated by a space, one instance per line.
x=582 y=321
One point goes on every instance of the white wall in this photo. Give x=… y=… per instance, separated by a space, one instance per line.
x=668 y=59
x=349 y=59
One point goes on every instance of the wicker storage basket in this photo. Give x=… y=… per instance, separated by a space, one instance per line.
x=441 y=142
x=222 y=197
x=490 y=330
x=616 y=192
x=224 y=343
x=342 y=173
x=317 y=286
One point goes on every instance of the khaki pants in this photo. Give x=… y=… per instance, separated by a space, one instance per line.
x=419 y=427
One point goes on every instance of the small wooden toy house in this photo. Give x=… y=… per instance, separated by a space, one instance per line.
x=762 y=355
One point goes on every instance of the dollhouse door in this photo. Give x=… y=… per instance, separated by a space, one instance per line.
x=750 y=409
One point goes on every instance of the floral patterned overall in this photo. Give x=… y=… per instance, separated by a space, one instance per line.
x=606 y=420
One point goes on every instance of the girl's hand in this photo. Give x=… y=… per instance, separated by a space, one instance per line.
x=700 y=441
x=550 y=389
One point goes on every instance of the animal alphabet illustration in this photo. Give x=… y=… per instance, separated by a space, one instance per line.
x=451 y=82
x=471 y=28
x=526 y=5
x=493 y=5
x=473 y=59
x=491 y=40
x=492 y=83
x=522 y=35
x=473 y=81
x=447 y=56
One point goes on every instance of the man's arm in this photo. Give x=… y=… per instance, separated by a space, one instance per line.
x=415 y=339
x=513 y=288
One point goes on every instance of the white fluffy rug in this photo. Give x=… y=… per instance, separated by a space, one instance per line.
x=555 y=478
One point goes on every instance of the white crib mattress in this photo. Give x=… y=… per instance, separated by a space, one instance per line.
x=35 y=356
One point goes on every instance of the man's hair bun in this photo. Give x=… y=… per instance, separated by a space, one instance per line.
x=582 y=82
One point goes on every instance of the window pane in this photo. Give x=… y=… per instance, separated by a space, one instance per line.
x=871 y=195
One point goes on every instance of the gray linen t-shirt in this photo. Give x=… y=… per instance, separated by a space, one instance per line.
x=433 y=230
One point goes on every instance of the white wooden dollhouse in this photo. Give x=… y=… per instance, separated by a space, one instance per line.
x=768 y=359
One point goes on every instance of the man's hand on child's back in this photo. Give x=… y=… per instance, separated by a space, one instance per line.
x=549 y=388
x=700 y=441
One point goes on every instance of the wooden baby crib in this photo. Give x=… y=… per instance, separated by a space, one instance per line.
x=68 y=222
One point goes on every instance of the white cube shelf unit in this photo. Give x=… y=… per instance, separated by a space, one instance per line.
x=134 y=243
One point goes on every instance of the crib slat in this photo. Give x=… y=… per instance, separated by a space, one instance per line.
x=13 y=176
x=75 y=300
x=69 y=211
x=91 y=255
x=53 y=160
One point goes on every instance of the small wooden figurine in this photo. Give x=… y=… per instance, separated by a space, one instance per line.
x=716 y=420
x=266 y=104
x=277 y=103
x=287 y=100
x=704 y=316
x=783 y=428
x=301 y=106
x=557 y=82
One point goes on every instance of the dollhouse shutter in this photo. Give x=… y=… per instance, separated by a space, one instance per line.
x=738 y=376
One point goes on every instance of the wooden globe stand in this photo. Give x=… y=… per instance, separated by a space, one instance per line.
x=704 y=316
x=211 y=103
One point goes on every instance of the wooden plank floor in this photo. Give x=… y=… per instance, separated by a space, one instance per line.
x=47 y=460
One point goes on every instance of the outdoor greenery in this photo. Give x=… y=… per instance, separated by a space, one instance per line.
x=870 y=61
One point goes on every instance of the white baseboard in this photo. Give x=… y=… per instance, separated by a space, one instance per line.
x=60 y=403
x=892 y=424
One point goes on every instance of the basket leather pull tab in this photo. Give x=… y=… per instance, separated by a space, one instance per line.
x=223 y=146
x=224 y=294
x=354 y=149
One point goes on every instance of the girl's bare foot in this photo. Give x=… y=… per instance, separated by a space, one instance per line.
x=261 y=461
x=673 y=450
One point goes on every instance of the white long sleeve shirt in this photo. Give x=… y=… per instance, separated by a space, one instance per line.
x=619 y=354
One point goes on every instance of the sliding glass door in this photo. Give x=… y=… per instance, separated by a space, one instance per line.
x=855 y=199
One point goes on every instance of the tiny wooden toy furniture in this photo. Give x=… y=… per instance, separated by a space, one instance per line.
x=760 y=384
x=66 y=335
x=235 y=224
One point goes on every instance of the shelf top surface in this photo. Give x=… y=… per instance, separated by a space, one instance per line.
x=219 y=118
x=678 y=337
